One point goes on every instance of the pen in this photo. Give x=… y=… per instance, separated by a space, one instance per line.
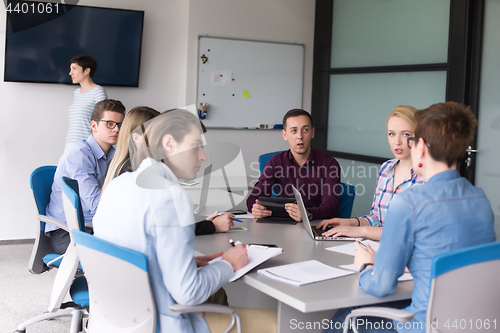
x=363 y=245
x=231 y=241
x=232 y=218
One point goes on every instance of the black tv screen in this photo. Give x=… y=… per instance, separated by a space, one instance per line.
x=43 y=37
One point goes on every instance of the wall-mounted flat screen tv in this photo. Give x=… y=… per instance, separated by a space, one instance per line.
x=43 y=37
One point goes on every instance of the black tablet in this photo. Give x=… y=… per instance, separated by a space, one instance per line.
x=276 y=205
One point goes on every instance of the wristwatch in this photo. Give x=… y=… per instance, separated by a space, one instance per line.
x=366 y=264
x=309 y=215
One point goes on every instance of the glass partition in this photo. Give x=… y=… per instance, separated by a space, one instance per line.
x=360 y=104
x=367 y=33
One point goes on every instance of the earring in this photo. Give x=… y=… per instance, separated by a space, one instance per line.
x=420 y=164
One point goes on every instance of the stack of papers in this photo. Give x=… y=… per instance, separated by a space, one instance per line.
x=302 y=273
x=256 y=256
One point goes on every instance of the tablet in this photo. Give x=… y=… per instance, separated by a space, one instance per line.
x=276 y=205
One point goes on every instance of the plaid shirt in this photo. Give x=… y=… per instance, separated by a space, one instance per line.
x=385 y=191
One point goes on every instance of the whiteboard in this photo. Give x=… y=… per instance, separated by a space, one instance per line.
x=247 y=83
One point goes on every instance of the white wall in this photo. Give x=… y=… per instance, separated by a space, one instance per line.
x=34 y=116
x=287 y=21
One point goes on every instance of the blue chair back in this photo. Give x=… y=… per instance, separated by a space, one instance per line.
x=449 y=261
x=70 y=189
x=41 y=180
x=127 y=306
x=263 y=159
x=346 y=200
x=464 y=285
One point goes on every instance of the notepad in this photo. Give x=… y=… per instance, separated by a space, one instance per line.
x=350 y=249
x=404 y=277
x=256 y=256
x=304 y=272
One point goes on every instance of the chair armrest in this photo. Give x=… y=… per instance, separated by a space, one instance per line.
x=53 y=221
x=178 y=308
x=395 y=314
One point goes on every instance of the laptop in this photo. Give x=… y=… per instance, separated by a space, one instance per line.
x=204 y=190
x=313 y=232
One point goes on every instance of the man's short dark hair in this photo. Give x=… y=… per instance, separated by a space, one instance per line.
x=296 y=113
x=107 y=105
x=85 y=62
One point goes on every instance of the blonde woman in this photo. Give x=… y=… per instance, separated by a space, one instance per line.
x=121 y=161
x=395 y=176
x=146 y=210
x=130 y=139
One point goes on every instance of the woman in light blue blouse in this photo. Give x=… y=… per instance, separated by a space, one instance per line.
x=445 y=214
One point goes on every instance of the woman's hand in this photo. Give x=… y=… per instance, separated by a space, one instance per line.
x=203 y=260
x=337 y=221
x=344 y=230
x=223 y=222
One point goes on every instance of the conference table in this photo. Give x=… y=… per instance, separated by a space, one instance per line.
x=307 y=305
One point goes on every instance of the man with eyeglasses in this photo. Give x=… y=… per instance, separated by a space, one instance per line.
x=86 y=161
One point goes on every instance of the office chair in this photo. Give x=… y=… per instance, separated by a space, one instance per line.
x=120 y=292
x=263 y=159
x=464 y=286
x=65 y=278
x=347 y=193
x=42 y=257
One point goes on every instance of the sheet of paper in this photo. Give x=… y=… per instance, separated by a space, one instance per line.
x=304 y=272
x=404 y=277
x=350 y=249
x=246 y=93
x=221 y=78
x=256 y=256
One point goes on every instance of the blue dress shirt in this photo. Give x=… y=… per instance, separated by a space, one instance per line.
x=446 y=214
x=86 y=162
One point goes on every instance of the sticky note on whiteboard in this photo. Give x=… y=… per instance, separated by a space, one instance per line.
x=246 y=93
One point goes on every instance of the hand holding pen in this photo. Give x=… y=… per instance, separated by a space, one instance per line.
x=237 y=255
x=364 y=254
x=222 y=221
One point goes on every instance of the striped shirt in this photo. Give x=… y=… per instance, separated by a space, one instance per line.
x=80 y=112
x=385 y=191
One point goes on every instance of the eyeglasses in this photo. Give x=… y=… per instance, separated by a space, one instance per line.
x=414 y=139
x=111 y=124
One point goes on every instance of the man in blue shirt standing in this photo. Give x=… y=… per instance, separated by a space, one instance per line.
x=87 y=161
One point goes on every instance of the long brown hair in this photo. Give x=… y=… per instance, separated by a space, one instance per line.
x=134 y=118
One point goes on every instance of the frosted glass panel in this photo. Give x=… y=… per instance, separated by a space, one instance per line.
x=360 y=104
x=389 y=32
x=364 y=177
x=488 y=157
